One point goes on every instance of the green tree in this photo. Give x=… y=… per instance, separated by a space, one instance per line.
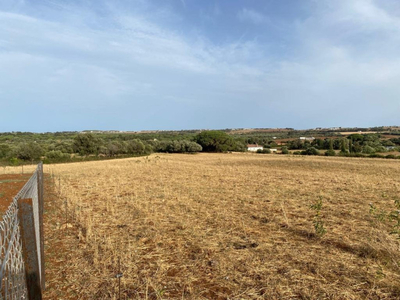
x=57 y=155
x=192 y=147
x=295 y=144
x=368 y=149
x=136 y=147
x=343 y=147
x=112 y=149
x=29 y=151
x=215 y=141
x=239 y=146
x=266 y=150
x=330 y=152
x=310 y=151
x=5 y=150
x=86 y=144
x=318 y=143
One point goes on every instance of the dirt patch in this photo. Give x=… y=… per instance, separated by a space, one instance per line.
x=10 y=185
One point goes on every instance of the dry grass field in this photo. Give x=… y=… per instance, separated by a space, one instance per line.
x=221 y=226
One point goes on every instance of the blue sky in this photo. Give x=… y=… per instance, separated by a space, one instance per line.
x=191 y=64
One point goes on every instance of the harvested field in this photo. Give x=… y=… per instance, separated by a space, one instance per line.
x=222 y=226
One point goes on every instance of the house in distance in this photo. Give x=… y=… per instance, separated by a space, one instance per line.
x=254 y=147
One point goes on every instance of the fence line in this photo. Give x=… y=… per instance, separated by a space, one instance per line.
x=12 y=259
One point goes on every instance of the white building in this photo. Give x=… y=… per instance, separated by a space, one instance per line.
x=254 y=147
x=307 y=138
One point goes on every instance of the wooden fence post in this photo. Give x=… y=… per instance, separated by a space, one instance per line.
x=29 y=251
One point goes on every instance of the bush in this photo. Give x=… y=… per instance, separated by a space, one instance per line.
x=28 y=151
x=56 y=155
x=112 y=149
x=136 y=147
x=310 y=151
x=374 y=155
x=192 y=147
x=14 y=161
x=285 y=150
x=86 y=144
x=368 y=150
x=380 y=149
x=330 y=153
x=265 y=151
x=5 y=150
x=183 y=146
x=239 y=146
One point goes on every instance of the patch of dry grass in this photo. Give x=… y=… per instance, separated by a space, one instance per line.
x=221 y=226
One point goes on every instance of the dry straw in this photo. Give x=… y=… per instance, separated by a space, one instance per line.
x=221 y=226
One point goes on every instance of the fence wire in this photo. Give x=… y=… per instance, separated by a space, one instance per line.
x=12 y=265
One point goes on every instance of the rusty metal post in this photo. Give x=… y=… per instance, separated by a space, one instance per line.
x=40 y=184
x=29 y=251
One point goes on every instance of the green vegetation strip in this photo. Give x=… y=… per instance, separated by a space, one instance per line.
x=11 y=180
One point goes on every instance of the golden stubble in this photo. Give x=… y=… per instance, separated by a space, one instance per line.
x=221 y=226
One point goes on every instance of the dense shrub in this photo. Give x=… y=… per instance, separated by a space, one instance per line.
x=57 y=156
x=14 y=161
x=330 y=153
x=112 y=149
x=63 y=146
x=265 y=151
x=285 y=150
x=375 y=155
x=368 y=150
x=183 y=146
x=28 y=151
x=380 y=149
x=192 y=147
x=239 y=146
x=86 y=144
x=5 y=150
x=136 y=147
x=310 y=151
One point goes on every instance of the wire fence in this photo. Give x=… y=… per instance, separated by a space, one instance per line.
x=13 y=264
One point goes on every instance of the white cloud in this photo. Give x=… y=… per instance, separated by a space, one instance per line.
x=343 y=57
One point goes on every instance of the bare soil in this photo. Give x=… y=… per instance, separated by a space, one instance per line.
x=10 y=185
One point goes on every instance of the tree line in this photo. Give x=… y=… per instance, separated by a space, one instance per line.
x=85 y=146
x=353 y=145
x=20 y=147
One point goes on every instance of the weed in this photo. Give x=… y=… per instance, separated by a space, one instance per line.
x=394 y=216
x=383 y=216
x=380 y=215
x=317 y=220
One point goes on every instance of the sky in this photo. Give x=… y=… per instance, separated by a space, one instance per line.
x=188 y=64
